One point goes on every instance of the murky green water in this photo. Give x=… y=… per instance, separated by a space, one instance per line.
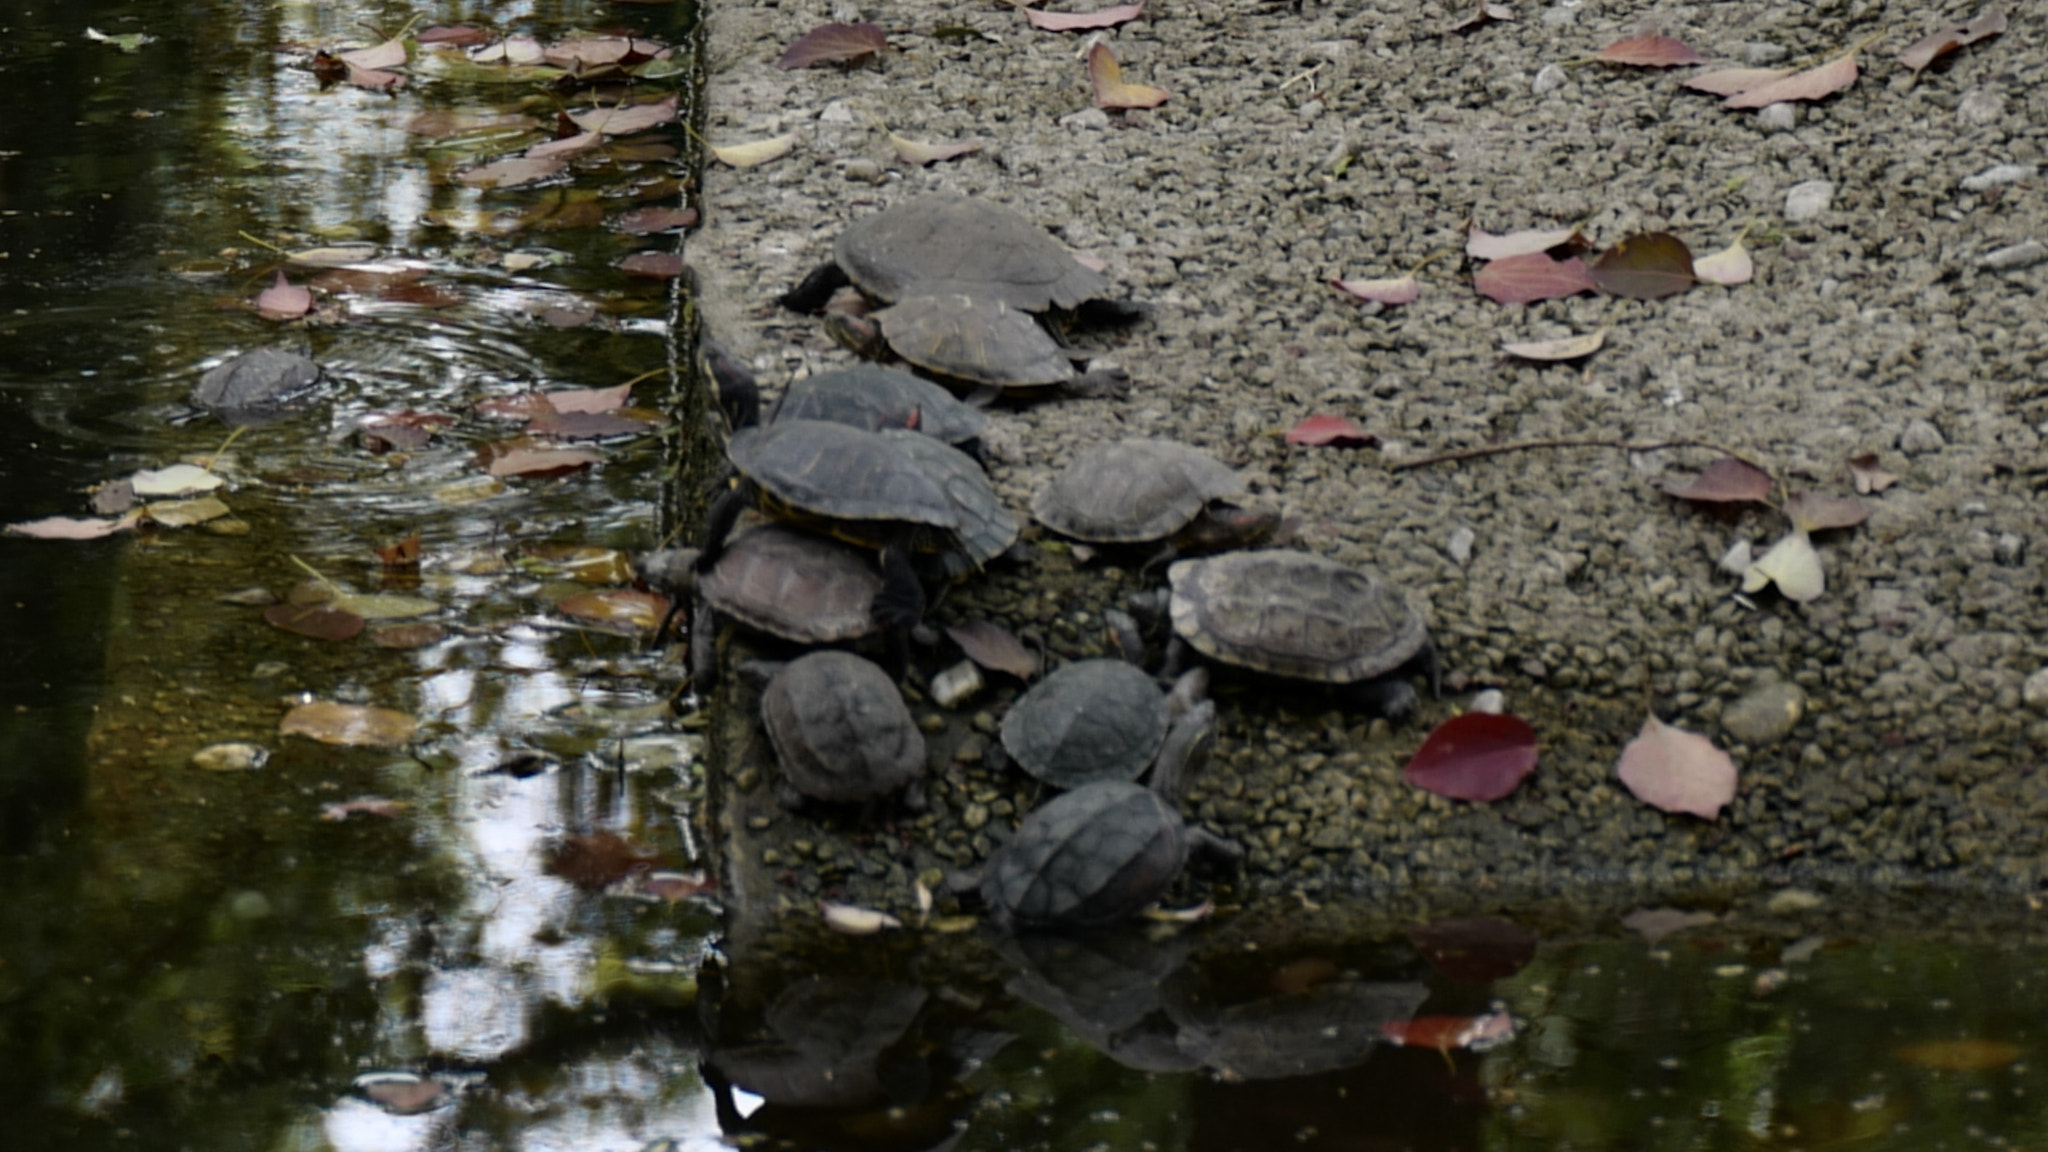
x=208 y=959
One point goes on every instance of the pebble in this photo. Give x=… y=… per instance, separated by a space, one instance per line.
x=1459 y=546
x=957 y=684
x=1766 y=713
x=1809 y=199
x=1793 y=900
x=2035 y=692
x=1780 y=117
x=1999 y=174
x=1763 y=54
x=2021 y=255
x=1920 y=436
x=1981 y=106
x=1549 y=79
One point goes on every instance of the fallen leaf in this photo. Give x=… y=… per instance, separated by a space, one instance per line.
x=1474 y=949
x=1673 y=770
x=1486 y=13
x=597 y=860
x=1928 y=49
x=333 y=256
x=185 y=513
x=756 y=153
x=389 y=54
x=113 y=498
x=1448 y=1033
x=994 y=647
x=593 y=400
x=316 y=621
x=1392 y=291
x=648 y=221
x=69 y=528
x=1193 y=914
x=1654 y=924
x=1650 y=51
x=402 y=1094
x=517 y=406
x=575 y=145
x=446 y=123
x=516 y=172
x=1814 y=83
x=676 y=887
x=415 y=635
x=1083 y=21
x=1646 y=266
x=1725 y=481
x=363 y=805
x=628 y=118
x=1729 y=81
x=914 y=152
x=385 y=605
x=1528 y=278
x=1482 y=245
x=1869 y=477
x=501 y=460
x=1730 y=266
x=653 y=265
x=453 y=35
x=1329 y=430
x=1818 y=512
x=1478 y=756
x=1791 y=564
x=283 y=300
x=374 y=79
x=176 y=480
x=855 y=921
x=625 y=609
x=355 y=725
x=1566 y=348
x=834 y=44
x=1960 y=1055
x=1111 y=92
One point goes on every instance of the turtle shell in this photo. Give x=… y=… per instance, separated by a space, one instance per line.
x=944 y=243
x=1129 y=491
x=873 y=397
x=975 y=339
x=1090 y=720
x=986 y=528
x=1088 y=858
x=839 y=472
x=794 y=584
x=840 y=728
x=1294 y=614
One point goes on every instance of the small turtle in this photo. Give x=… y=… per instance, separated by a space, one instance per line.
x=1304 y=617
x=841 y=732
x=1152 y=492
x=986 y=527
x=978 y=342
x=877 y=398
x=946 y=243
x=1101 y=719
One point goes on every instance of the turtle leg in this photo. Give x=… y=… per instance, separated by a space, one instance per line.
x=1202 y=842
x=813 y=290
x=901 y=603
x=1185 y=752
x=719 y=521
x=1392 y=696
x=739 y=394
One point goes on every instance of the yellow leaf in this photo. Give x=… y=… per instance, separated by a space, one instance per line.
x=1729 y=266
x=916 y=152
x=349 y=724
x=184 y=513
x=1107 y=77
x=756 y=153
x=1793 y=565
x=1569 y=348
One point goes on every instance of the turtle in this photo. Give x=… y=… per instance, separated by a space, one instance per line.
x=1101 y=719
x=944 y=243
x=1301 y=616
x=874 y=397
x=981 y=343
x=986 y=528
x=841 y=732
x=1161 y=493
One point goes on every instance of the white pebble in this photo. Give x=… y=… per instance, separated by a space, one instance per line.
x=957 y=684
x=1459 y=546
x=1780 y=117
x=1999 y=174
x=1981 y=106
x=236 y=757
x=1737 y=559
x=1920 y=436
x=1491 y=700
x=2035 y=692
x=838 y=112
x=1549 y=79
x=1808 y=199
x=2015 y=255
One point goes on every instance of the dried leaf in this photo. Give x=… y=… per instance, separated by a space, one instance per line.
x=1392 y=291
x=622 y=609
x=364 y=805
x=69 y=528
x=653 y=265
x=1485 y=14
x=1654 y=924
x=355 y=725
x=1650 y=51
x=914 y=152
x=676 y=887
x=389 y=54
x=1813 y=84
x=185 y=513
x=1673 y=770
x=598 y=860
x=1111 y=92
x=1474 y=949
x=1730 y=266
x=416 y=635
x=283 y=300
x=575 y=145
x=446 y=123
x=1927 y=50
x=1482 y=245
x=757 y=153
x=176 y=480
x=1567 y=348
x=854 y=920
x=1793 y=565
x=1724 y=481
x=374 y=79
x=834 y=44
x=592 y=400
x=1479 y=756
x=1083 y=21
x=1330 y=430
x=1817 y=512
x=1729 y=81
x=1646 y=266
x=533 y=463
x=627 y=119
x=317 y=621
x=1448 y=1033
x=385 y=605
x=453 y=36
x=1869 y=477
x=1532 y=277
x=995 y=648
x=1961 y=1055
x=516 y=172
x=648 y=221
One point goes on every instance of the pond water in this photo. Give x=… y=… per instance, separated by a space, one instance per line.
x=489 y=932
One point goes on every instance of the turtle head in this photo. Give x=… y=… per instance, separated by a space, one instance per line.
x=857 y=332
x=739 y=394
x=1224 y=527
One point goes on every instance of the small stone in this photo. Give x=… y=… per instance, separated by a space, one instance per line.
x=1762 y=54
x=1808 y=199
x=865 y=170
x=1793 y=900
x=236 y=757
x=2035 y=692
x=1459 y=546
x=974 y=817
x=1549 y=79
x=838 y=112
x=771 y=857
x=972 y=749
x=956 y=685
x=1981 y=106
x=1093 y=119
x=1559 y=15
x=1999 y=174
x=1780 y=117
x=2021 y=255
x=1766 y=713
x=1920 y=436
x=1490 y=700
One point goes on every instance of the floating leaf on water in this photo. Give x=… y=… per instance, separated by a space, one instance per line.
x=448 y=123
x=1479 y=756
x=513 y=173
x=176 y=480
x=575 y=145
x=385 y=605
x=1928 y=49
x=1725 y=480
x=317 y=621
x=653 y=265
x=1329 y=430
x=357 y=725
x=1650 y=51
x=1813 y=84
x=1673 y=770
x=626 y=608
x=994 y=647
x=1793 y=565
x=283 y=300
x=1106 y=76
x=69 y=527
x=1961 y=1055
x=1482 y=245
x=1551 y=351
x=401 y=1093
x=1869 y=476
x=469 y=491
x=130 y=42
x=363 y=806
x=648 y=221
x=534 y=463
x=854 y=920
x=675 y=887
x=1474 y=949
x=1193 y=914
x=185 y=513
x=629 y=118
x=333 y=255
x=452 y=36
x=1654 y=924
x=1084 y=21
x=1818 y=511
x=589 y=399
x=1646 y=266
x=1527 y=279
x=1728 y=267
x=834 y=44
x=389 y=54
x=916 y=152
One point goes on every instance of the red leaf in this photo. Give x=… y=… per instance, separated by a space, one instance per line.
x=994 y=647
x=834 y=44
x=1445 y=1033
x=1650 y=51
x=1926 y=51
x=1677 y=771
x=1812 y=84
x=1478 y=756
x=1330 y=431
x=1527 y=279
x=1725 y=481
x=1474 y=949
x=1647 y=266
x=283 y=300
x=319 y=621
x=1083 y=21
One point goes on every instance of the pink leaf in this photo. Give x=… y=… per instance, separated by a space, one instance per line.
x=590 y=399
x=1725 y=481
x=283 y=300
x=1083 y=21
x=1391 y=291
x=1651 y=51
x=1482 y=245
x=513 y=173
x=1527 y=279
x=1818 y=512
x=1677 y=771
x=1478 y=756
x=1813 y=84
x=1729 y=81
x=1329 y=431
x=1870 y=477
x=622 y=121
x=834 y=44
x=1926 y=51
x=389 y=54
x=69 y=528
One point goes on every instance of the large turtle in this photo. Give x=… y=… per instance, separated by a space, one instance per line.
x=983 y=345
x=1101 y=719
x=1159 y=493
x=950 y=244
x=874 y=397
x=986 y=527
x=841 y=732
x=1302 y=616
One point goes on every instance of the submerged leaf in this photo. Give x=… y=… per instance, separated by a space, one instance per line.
x=854 y=920
x=1654 y=924
x=1480 y=756
x=1677 y=771
x=1474 y=949
x=1964 y=1055
x=355 y=725
x=317 y=621
x=630 y=118
x=625 y=609
x=598 y=860
x=283 y=300
x=1106 y=76
x=69 y=528
x=513 y=173
x=1448 y=1033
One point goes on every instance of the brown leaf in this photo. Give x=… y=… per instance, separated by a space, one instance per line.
x=1484 y=245
x=915 y=152
x=584 y=425
x=1646 y=266
x=516 y=172
x=1869 y=476
x=518 y=459
x=318 y=621
x=443 y=123
x=628 y=119
x=620 y=609
x=1927 y=50
x=1083 y=21
x=598 y=860
x=1962 y=1055
x=1650 y=51
x=575 y=145
x=647 y=221
x=283 y=300
x=1111 y=92
x=1527 y=279
x=1330 y=430
x=1391 y=291
x=417 y=634
x=589 y=399
x=1673 y=770
x=403 y=553
x=834 y=44
x=355 y=725
x=994 y=647
x=1552 y=351
x=1726 y=480
x=653 y=265
x=1817 y=512
x=1813 y=84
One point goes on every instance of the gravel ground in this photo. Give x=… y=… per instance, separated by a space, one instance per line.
x=1304 y=143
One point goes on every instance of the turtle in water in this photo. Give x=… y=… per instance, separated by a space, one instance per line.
x=841 y=732
x=1160 y=495
x=1304 y=617
x=983 y=344
x=944 y=243
x=1103 y=719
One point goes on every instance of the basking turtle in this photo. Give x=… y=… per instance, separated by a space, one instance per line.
x=942 y=244
x=1152 y=492
x=1302 y=616
x=841 y=732
x=979 y=342
x=1101 y=719
x=987 y=528
x=873 y=397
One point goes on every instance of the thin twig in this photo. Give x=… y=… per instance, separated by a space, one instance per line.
x=1570 y=442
